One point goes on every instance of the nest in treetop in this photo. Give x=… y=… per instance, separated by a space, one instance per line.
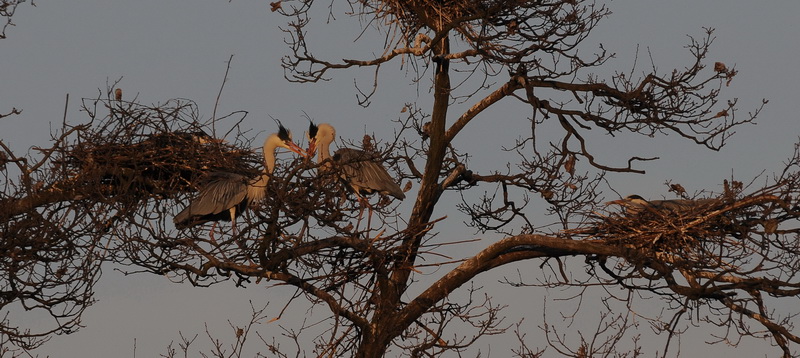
x=410 y=12
x=144 y=152
x=688 y=232
x=158 y=164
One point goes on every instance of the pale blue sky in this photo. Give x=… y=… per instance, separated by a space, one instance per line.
x=176 y=48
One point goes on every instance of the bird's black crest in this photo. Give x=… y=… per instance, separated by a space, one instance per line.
x=283 y=133
x=634 y=196
x=312 y=129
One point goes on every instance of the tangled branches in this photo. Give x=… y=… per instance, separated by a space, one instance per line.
x=57 y=209
x=726 y=256
x=7 y=10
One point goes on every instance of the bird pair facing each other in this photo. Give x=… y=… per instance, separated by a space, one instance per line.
x=225 y=194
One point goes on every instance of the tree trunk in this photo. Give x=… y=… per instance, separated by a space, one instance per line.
x=373 y=346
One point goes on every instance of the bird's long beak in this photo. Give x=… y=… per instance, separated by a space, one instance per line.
x=312 y=148
x=296 y=148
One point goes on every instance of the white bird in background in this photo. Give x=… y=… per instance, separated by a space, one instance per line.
x=226 y=193
x=358 y=169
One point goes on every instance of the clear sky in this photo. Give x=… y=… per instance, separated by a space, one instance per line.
x=179 y=49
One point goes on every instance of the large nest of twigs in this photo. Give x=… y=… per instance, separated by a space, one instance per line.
x=413 y=14
x=675 y=232
x=144 y=152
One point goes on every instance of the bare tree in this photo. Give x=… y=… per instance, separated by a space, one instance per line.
x=733 y=260
x=48 y=264
x=7 y=10
x=59 y=205
x=529 y=52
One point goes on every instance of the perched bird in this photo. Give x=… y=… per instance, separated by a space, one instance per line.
x=199 y=136
x=358 y=169
x=182 y=138
x=226 y=193
x=118 y=94
x=634 y=204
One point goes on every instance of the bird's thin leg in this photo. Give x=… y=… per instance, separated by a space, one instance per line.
x=362 y=202
x=240 y=241
x=232 y=211
x=233 y=220
x=360 y=211
x=369 y=214
x=214 y=242
x=211 y=234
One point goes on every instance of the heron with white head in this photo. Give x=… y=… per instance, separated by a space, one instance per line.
x=225 y=193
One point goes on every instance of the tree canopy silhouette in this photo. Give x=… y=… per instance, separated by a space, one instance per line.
x=107 y=190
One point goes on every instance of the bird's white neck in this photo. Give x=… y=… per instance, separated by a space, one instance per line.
x=257 y=189
x=269 y=157
x=324 y=151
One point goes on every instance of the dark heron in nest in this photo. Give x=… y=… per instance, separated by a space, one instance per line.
x=360 y=170
x=634 y=204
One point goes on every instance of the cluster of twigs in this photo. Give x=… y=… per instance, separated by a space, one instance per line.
x=7 y=10
x=724 y=256
x=125 y=173
x=700 y=235
x=497 y=31
x=676 y=232
x=142 y=152
x=59 y=204
x=407 y=12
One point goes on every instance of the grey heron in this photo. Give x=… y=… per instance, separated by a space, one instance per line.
x=357 y=168
x=634 y=204
x=226 y=193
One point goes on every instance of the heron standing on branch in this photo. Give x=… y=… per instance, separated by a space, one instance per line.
x=357 y=168
x=226 y=193
x=634 y=204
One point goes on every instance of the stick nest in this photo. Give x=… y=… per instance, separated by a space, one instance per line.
x=143 y=152
x=684 y=232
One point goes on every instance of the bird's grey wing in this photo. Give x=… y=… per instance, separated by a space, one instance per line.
x=683 y=205
x=707 y=202
x=221 y=192
x=364 y=170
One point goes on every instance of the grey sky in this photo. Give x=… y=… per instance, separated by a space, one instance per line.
x=169 y=49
